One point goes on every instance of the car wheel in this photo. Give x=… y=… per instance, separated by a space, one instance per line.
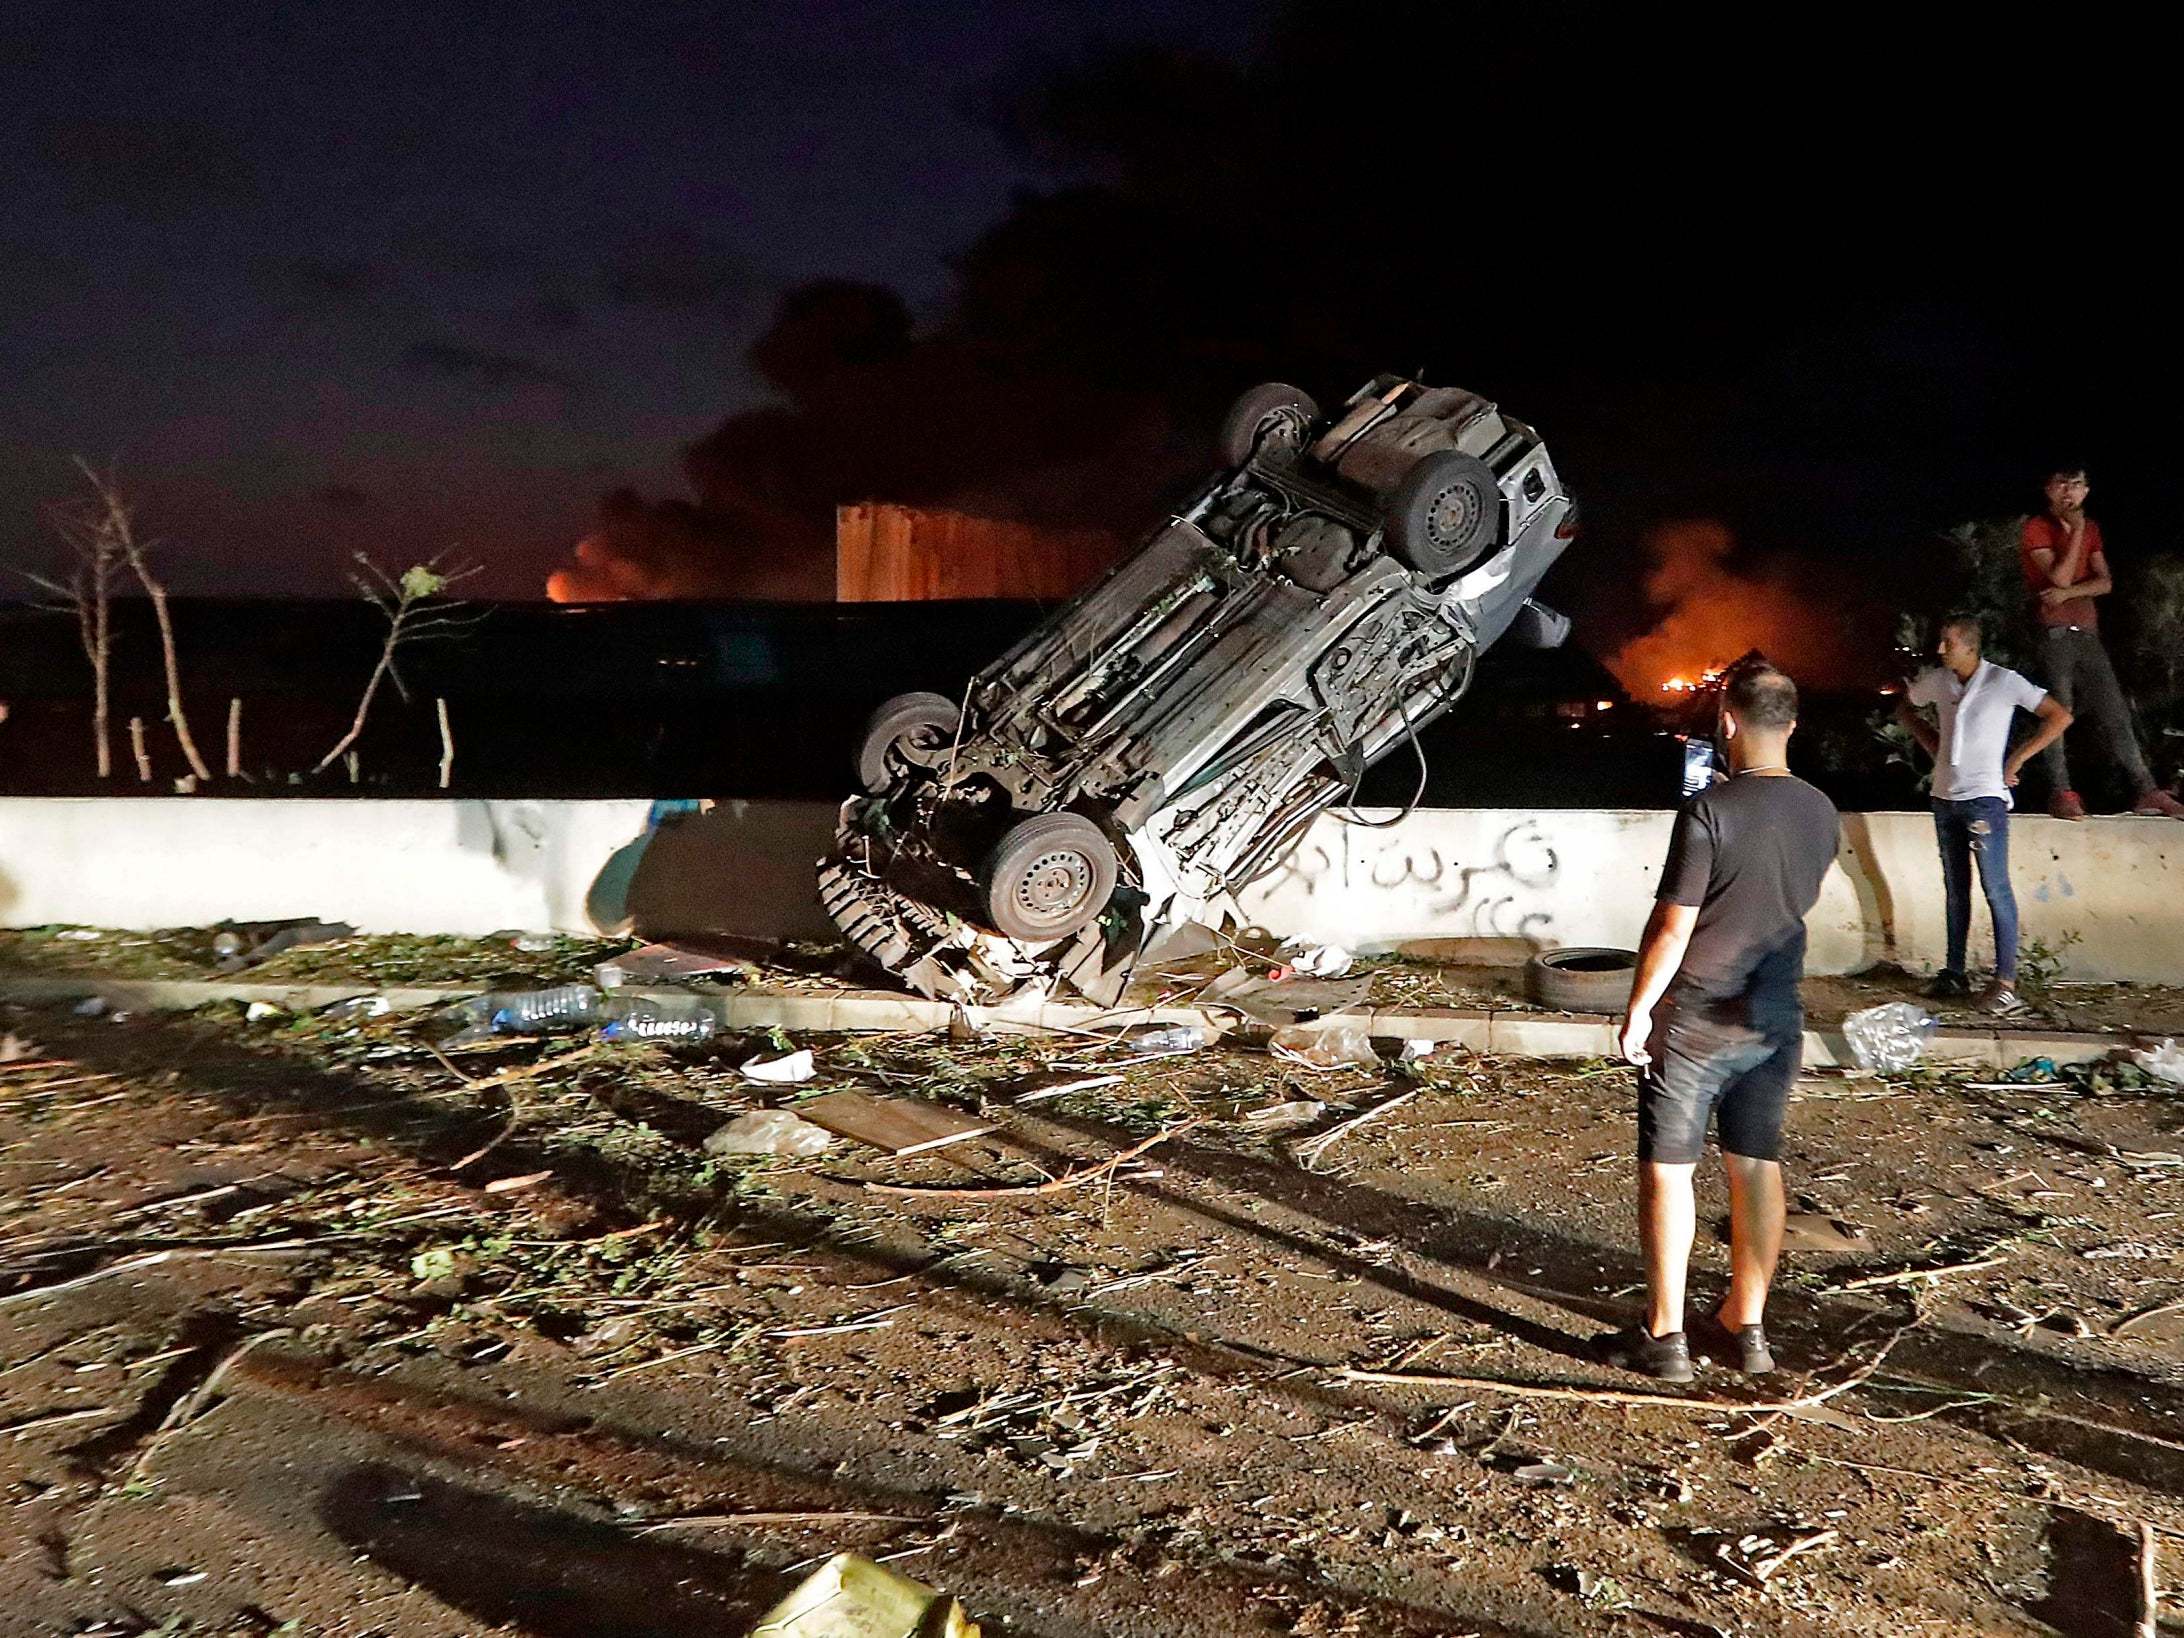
x=1580 y=978
x=1445 y=513
x=925 y=722
x=1050 y=875
x=1271 y=414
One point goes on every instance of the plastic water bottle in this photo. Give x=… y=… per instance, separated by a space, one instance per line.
x=659 y=1018
x=1165 y=1040
x=1890 y=1037
x=528 y=1012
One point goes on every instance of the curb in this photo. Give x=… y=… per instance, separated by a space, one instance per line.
x=1506 y=1034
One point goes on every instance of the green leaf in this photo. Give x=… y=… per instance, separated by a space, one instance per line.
x=420 y=581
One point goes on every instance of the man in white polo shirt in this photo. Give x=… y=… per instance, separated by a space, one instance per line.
x=1975 y=705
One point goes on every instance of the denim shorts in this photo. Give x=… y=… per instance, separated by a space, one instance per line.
x=1706 y=1066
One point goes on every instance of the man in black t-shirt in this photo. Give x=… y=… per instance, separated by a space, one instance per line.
x=1716 y=1024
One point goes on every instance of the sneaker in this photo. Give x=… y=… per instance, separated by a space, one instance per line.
x=1948 y=986
x=1634 y=1348
x=2000 y=998
x=2066 y=805
x=2159 y=804
x=1745 y=1347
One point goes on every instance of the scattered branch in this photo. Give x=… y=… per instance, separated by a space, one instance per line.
x=2149 y=1589
x=1024 y=1191
x=1623 y=1396
x=1308 y=1153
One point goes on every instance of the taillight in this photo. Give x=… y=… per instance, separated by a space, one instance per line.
x=1567 y=528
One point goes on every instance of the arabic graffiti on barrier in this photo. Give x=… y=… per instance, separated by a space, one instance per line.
x=1509 y=895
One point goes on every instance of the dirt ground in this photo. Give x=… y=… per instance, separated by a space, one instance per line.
x=307 y=1328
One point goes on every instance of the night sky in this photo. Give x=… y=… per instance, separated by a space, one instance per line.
x=407 y=277
x=1786 y=290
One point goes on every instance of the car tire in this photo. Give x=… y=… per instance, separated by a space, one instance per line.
x=1273 y=411
x=1581 y=978
x=1445 y=513
x=925 y=720
x=1048 y=877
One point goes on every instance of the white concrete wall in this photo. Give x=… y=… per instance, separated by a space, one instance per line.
x=1582 y=877
x=1587 y=877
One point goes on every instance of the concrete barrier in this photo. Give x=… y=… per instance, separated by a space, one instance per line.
x=1543 y=877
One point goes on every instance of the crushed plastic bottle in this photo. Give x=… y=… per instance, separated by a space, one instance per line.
x=659 y=1018
x=527 y=1012
x=1890 y=1037
x=1335 y=1046
x=1166 y=1040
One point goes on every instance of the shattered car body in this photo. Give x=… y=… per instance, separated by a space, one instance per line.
x=1166 y=738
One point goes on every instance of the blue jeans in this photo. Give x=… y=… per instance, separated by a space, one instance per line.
x=1978 y=829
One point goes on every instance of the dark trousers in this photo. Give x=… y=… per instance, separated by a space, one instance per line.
x=1978 y=829
x=2078 y=674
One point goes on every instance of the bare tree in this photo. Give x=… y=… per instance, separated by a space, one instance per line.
x=87 y=591
x=415 y=606
x=106 y=514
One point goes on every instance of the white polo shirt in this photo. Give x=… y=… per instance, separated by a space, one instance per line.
x=1974 y=718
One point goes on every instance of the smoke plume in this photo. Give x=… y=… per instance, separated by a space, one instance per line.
x=1717 y=612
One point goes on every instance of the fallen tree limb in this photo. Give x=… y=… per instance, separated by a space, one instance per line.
x=1309 y=1152
x=1620 y=1396
x=693 y=1521
x=1058 y=1185
x=186 y=1408
x=515 y=1109
x=152 y=1259
x=1905 y=1276
x=2149 y=1590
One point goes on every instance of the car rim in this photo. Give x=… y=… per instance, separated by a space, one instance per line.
x=1454 y=514
x=1054 y=885
x=1282 y=428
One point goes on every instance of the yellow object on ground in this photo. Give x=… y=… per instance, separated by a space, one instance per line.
x=849 y=1596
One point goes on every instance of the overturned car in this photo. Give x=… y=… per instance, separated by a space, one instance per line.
x=1165 y=739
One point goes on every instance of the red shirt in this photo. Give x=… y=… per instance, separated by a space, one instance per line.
x=2046 y=535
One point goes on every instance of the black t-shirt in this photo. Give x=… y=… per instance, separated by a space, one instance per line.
x=1750 y=853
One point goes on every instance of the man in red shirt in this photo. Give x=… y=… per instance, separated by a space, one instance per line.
x=2065 y=570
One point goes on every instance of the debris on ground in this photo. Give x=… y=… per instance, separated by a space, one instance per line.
x=1339 y=1046
x=14 y=1049
x=2165 y=1062
x=770 y=1132
x=899 y=1126
x=1890 y=1037
x=525 y=1012
x=258 y=1011
x=687 y=1019
x=246 y=943
x=850 y=1596
x=789 y=1069
x=1316 y=960
x=669 y=964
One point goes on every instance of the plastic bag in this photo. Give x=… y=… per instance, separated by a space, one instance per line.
x=1338 y=1046
x=1889 y=1037
x=2165 y=1060
x=770 y=1132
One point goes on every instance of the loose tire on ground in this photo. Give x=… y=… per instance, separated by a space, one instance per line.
x=1048 y=877
x=1445 y=513
x=924 y=721
x=1581 y=978
x=1274 y=411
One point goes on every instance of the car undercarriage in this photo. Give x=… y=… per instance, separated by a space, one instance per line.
x=1166 y=738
